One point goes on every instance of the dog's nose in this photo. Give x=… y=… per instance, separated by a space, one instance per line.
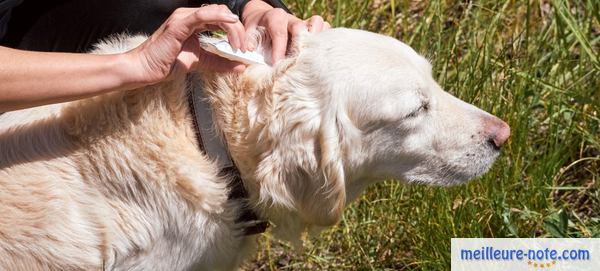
x=497 y=132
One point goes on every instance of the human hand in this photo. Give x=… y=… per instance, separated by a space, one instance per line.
x=174 y=48
x=279 y=25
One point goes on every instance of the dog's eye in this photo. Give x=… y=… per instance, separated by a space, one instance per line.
x=424 y=107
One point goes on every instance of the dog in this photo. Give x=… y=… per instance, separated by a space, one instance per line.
x=118 y=182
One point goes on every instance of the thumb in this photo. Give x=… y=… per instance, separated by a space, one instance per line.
x=190 y=54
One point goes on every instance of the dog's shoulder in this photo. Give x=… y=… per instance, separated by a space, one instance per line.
x=118 y=43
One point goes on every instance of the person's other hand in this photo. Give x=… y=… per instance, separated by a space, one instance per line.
x=279 y=25
x=174 y=48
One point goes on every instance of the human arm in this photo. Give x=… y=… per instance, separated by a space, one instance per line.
x=34 y=78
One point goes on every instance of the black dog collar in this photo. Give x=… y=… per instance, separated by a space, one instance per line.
x=210 y=144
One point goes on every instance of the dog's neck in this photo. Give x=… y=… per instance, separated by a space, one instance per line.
x=228 y=96
x=249 y=109
x=238 y=101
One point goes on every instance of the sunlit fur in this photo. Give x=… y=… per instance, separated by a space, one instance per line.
x=117 y=181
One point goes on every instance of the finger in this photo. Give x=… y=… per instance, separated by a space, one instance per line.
x=190 y=53
x=296 y=29
x=251 y=34
x=236 y=35
x=326 y=26
x=197 y=20
x=252 y=37
x=241 y=35
x=187 y=60
x=279 y=39
x=233 y=40
x=315 y=24
x=276 y=23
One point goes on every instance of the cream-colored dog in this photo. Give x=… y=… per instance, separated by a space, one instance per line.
x=117 y=182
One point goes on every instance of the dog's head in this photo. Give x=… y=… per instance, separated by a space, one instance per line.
x=350 y=108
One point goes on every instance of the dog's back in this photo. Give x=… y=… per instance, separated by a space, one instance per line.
x=114 y=182
x=43 y=203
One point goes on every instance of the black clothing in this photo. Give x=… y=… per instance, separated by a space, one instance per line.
x=6 y=7
x=76 y=25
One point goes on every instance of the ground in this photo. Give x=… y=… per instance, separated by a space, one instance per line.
x=534 y=64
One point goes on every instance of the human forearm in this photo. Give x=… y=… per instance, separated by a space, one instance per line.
x=36 y=78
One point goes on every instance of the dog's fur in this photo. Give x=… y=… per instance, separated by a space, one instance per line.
x=117 y=181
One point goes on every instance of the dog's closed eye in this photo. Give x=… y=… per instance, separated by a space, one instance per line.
x=424 y=107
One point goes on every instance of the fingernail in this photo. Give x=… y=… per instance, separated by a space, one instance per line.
x=242 y=46
x=251 y=46
x=233 y=17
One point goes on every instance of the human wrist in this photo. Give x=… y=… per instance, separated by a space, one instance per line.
x=126 y=71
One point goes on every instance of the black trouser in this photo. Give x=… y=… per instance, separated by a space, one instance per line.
x=76 y=25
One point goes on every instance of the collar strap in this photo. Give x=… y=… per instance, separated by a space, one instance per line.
x=247 y=220
x=211 y=145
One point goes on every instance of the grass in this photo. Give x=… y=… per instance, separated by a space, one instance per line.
x=534 y=64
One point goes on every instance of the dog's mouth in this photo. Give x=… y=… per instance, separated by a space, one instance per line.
x=471 y=166
x=464 y=168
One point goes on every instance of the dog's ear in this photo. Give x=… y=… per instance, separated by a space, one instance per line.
x=301 y=168
x=305 y=176
x=328 y=210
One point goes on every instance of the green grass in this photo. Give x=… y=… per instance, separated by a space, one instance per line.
x=534 y=64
